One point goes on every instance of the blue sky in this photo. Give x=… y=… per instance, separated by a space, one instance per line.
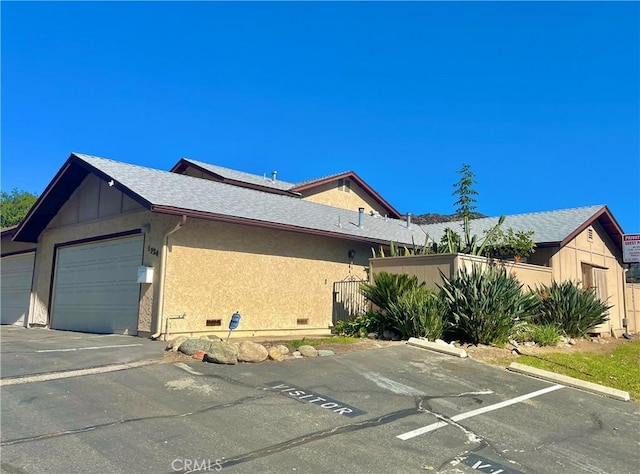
x=541 y=99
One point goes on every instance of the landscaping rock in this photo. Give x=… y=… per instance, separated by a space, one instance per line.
x=325 y=352
x=251 y=352
x=222 y=353
x=199 y=355
x=283 y=349
x=275 y=354
x=174 y=344
x=308 y=351
x=193 y=344
x=372 y=335
x=213 y=337
x=296 y=355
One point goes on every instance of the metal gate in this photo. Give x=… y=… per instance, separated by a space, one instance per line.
x=348 y=301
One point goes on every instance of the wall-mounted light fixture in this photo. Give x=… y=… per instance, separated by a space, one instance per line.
x=352 y=254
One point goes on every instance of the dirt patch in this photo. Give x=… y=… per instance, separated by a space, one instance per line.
x=504 y=356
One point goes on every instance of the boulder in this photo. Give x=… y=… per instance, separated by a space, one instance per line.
x=222 y=353
x=251 y=352
x=174 y=344
x=308 y=351
x=275 y=354
x=296 y=355
x=325 y=352
x=193 y=344
x=283 y=349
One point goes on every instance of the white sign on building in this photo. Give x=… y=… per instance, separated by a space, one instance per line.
x=631 y=248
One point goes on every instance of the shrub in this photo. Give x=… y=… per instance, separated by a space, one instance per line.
x=387 y=288
x=485 y=306
x=417 y=312
x=547 y=335
x=570 y=308
x=360 y=326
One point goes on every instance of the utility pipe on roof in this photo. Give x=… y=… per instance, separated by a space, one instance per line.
x=163 y=258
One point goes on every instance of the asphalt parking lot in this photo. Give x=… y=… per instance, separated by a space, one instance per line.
x=113 y=404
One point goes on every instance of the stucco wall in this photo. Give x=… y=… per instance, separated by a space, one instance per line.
x=633 y=307
x=273 y=278
x=330 y=195
x=427 y=268
x=601 y=252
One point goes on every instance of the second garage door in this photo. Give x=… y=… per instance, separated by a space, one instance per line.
x=95 y=287
x=15 y=272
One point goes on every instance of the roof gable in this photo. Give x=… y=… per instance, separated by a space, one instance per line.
x=351 y=175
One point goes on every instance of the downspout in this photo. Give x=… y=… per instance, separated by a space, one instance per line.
x=163 y=257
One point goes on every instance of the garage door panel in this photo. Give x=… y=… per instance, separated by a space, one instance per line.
x=15 y=289
x=96 y=287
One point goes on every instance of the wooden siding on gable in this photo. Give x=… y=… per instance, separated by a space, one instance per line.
x=94 y=199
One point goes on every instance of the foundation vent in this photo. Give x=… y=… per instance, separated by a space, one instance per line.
x=302 y=321
x=214 y=322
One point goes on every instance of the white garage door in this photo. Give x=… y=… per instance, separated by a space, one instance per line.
x=95 y=287
x=16 y=274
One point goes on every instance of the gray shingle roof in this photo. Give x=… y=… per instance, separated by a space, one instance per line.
x=242 y=176
x=314 y=180
x=550 y=226
x=162 y=188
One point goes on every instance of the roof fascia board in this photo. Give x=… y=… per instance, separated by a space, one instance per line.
x=57 y=188
x=350 y=174
x=41 y=199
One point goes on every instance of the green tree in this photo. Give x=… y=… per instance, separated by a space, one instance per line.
x=466 y=202
x=14 y=206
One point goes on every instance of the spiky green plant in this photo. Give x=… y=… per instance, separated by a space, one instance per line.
x=572 y=309
x=484 y=306
x=387 y=287
x=417 y=312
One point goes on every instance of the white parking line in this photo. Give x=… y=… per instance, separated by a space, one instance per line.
x=74 y=373
x=479 y=411
x=186 y=368
x=92 y=348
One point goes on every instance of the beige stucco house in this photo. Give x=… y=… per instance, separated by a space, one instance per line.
x=111 y=247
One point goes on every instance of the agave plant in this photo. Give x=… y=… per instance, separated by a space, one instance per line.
x=484 y=306
x=387 y=288
x=572 y=309
x=418 y=312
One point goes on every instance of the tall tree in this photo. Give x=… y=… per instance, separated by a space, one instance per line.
x=14 y=206
x=466 y=203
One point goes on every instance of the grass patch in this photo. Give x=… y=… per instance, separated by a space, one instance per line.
x=322 y=341
x=620 y=369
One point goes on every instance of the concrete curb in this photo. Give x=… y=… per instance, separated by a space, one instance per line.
x=570 y=381
x=437 y=346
